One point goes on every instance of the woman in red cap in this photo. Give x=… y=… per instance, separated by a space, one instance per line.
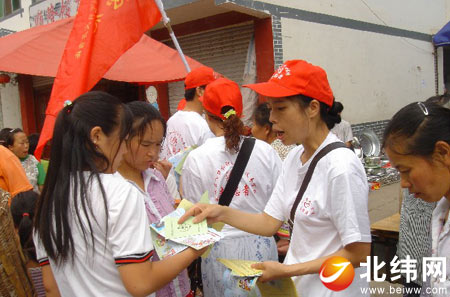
x=211 y=168
x=330 y=217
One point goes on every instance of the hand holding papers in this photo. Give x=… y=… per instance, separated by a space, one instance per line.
x=170 y=238
x=165 y=247
x=246 y=278
x=188 y=228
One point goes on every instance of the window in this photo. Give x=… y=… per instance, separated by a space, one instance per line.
x=8 y=6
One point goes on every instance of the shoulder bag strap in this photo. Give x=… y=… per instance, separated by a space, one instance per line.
x=308 y=176
x=237 y=171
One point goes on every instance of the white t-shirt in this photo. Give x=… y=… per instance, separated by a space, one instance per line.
x=343 y=131
x=440 y=247
x=208 y=168
x=94 y=272
x=184 y=129
x=333 y=212
x=172 y=186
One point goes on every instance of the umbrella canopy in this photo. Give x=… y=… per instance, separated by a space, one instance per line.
x=443 y=36
x=38 y=51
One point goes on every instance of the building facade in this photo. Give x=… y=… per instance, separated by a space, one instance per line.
x=378 y=54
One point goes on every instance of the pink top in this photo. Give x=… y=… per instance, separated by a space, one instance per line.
x=158 y=199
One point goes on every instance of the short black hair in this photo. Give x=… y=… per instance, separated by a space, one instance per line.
x=262 y=115
x=33 y=141
x=189 y=94
x=7 y=136
x=4 y=133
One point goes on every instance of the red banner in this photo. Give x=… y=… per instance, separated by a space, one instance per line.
x=102 y=32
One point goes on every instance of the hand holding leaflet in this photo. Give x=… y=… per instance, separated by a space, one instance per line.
x=246 y=278
x=188 y=228
x=165 y=247
x=196 y=236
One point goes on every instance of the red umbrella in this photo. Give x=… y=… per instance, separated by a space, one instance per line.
x=38 y=51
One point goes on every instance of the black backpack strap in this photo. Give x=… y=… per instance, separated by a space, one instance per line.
x=308 y=177
x=237 y=171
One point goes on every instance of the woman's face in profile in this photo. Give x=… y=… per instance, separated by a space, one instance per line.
x=428 y=178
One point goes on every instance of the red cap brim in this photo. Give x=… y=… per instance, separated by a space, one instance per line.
x=271 y=89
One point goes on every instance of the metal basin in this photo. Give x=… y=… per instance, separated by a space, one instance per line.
x=370 y=143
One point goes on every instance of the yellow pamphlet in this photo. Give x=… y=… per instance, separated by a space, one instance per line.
x=185 y=204
x=205 y=198
x=283 y=287
x=240 y=267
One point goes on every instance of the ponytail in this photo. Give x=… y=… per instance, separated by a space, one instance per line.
x=233 y=128
x=331 y=117
x=22 y=211
x=26 y=238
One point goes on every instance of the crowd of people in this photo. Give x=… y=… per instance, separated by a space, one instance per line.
x=291 y=196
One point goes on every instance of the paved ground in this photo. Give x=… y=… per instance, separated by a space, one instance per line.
x=382 y=204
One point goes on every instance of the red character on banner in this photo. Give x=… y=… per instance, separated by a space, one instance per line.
x=64 y=12
x=39 y=18
x=51 y=13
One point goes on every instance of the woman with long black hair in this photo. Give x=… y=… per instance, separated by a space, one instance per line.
x=90 y=224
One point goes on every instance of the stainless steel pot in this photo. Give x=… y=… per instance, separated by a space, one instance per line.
x=357 y=148
x=370 y=143
x=375 y=171
x=372 y=162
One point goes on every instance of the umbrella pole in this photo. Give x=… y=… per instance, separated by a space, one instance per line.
x=166 y=21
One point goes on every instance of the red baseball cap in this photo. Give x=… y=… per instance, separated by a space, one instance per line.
x=181 y=104
x=220 y=93
x=296 y=77
x=200 y=76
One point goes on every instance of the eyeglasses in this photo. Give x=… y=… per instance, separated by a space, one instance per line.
x=423 y=108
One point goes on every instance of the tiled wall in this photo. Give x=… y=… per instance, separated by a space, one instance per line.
x=277 y=41
x=377 y=126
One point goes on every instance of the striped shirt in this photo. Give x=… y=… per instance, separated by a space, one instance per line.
x=36 y=279
x=415 y=230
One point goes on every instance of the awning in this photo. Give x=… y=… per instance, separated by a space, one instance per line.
x=442 y=37
x=38 y=51
x=4 y=32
